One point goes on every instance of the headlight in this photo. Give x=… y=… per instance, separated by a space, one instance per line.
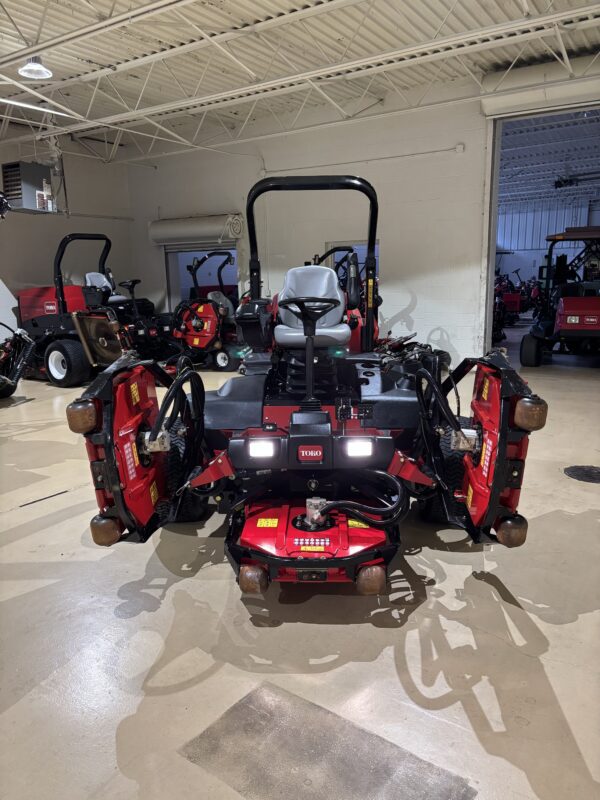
x=261 y=448
x=359 y=448
x=573 y=320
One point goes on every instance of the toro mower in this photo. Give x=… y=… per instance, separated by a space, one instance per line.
x=16 y=354
x=568 y=313
x=205 y=324
x=77 y=329
x=316 y=461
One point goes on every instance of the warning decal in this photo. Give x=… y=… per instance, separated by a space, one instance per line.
x=129 y=460
x=267 y=522
x=486 y=389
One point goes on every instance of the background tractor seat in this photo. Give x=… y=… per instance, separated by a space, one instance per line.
x=100 y=281
x=222 y=300
x=312 y=281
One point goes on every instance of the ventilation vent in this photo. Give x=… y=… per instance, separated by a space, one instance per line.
x=27 y=185
x=11 y=183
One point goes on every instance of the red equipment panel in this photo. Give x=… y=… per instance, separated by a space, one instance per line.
x=480 y=473
x=269 y=529
x=135 y=404
x=512 y=301
x=41 y=301
x=585 y=309
x=200 y=323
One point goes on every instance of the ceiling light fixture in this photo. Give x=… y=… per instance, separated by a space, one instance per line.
x=35 y=70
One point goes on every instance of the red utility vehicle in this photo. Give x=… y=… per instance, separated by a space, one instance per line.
x=569 y=311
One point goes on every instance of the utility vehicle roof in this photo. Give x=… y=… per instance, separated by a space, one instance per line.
x=586 y=234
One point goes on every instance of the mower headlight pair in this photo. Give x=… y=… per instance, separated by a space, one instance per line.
x=574 y=320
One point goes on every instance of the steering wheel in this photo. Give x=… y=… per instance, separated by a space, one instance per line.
x=309 y=309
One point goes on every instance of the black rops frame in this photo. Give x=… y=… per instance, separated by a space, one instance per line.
x=193 y=268
x=302 y=183
x=58 y=276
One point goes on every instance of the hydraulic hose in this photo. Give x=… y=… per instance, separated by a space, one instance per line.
x=389 y=513
x=176 y=396
x=447 y=413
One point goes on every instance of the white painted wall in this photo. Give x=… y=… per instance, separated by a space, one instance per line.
x=431 y=198
x=99 y=203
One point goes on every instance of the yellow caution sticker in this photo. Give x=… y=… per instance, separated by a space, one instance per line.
x=469 y=496
x=312 y=548
x=356 y=523
x=153 y=492
x=135 y=393
x=483 y=449
x=486 y=389
x=267 y=522
x=134 y=452
x=196 y=341
x=370 y=293
x=200 y=309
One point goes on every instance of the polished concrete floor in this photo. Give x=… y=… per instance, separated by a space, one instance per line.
x=482 y=663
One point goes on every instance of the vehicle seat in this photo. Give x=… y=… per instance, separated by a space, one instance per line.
x=100 y=281
x=222 y=300
x=312 y=281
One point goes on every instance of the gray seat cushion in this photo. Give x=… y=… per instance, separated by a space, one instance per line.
x=325 y=337
x=221 y=300
x=312 y=281
x=100 y=281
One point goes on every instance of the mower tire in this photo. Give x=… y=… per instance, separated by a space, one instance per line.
x=7 y=387
x=225 y=362
x=531 y=351
x=66 y=363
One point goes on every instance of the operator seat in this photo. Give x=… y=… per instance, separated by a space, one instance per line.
x=312 y=281
x=222 y=300
x=100 y=281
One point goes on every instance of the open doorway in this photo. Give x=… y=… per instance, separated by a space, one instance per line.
x=547 y=234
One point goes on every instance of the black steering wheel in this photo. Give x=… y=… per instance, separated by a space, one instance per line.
x=309 y=309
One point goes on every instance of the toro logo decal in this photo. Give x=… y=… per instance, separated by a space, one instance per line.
x=310 y=452
x=50 y=307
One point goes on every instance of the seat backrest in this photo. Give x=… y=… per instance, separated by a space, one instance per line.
x=98 y=280
x=220 y=299
x=312 y=281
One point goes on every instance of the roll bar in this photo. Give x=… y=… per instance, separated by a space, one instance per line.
x=64 y=243
x=300 y=183
x=195 y=266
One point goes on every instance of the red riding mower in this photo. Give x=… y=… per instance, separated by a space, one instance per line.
x=78 y=329
x=569 y=311
x=205 y=325
x=315 y=462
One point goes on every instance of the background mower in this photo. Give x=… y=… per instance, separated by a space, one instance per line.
x=77 y=329
x=316 y=461
x=205 y=324
x=16 y=354
x=569 y=307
